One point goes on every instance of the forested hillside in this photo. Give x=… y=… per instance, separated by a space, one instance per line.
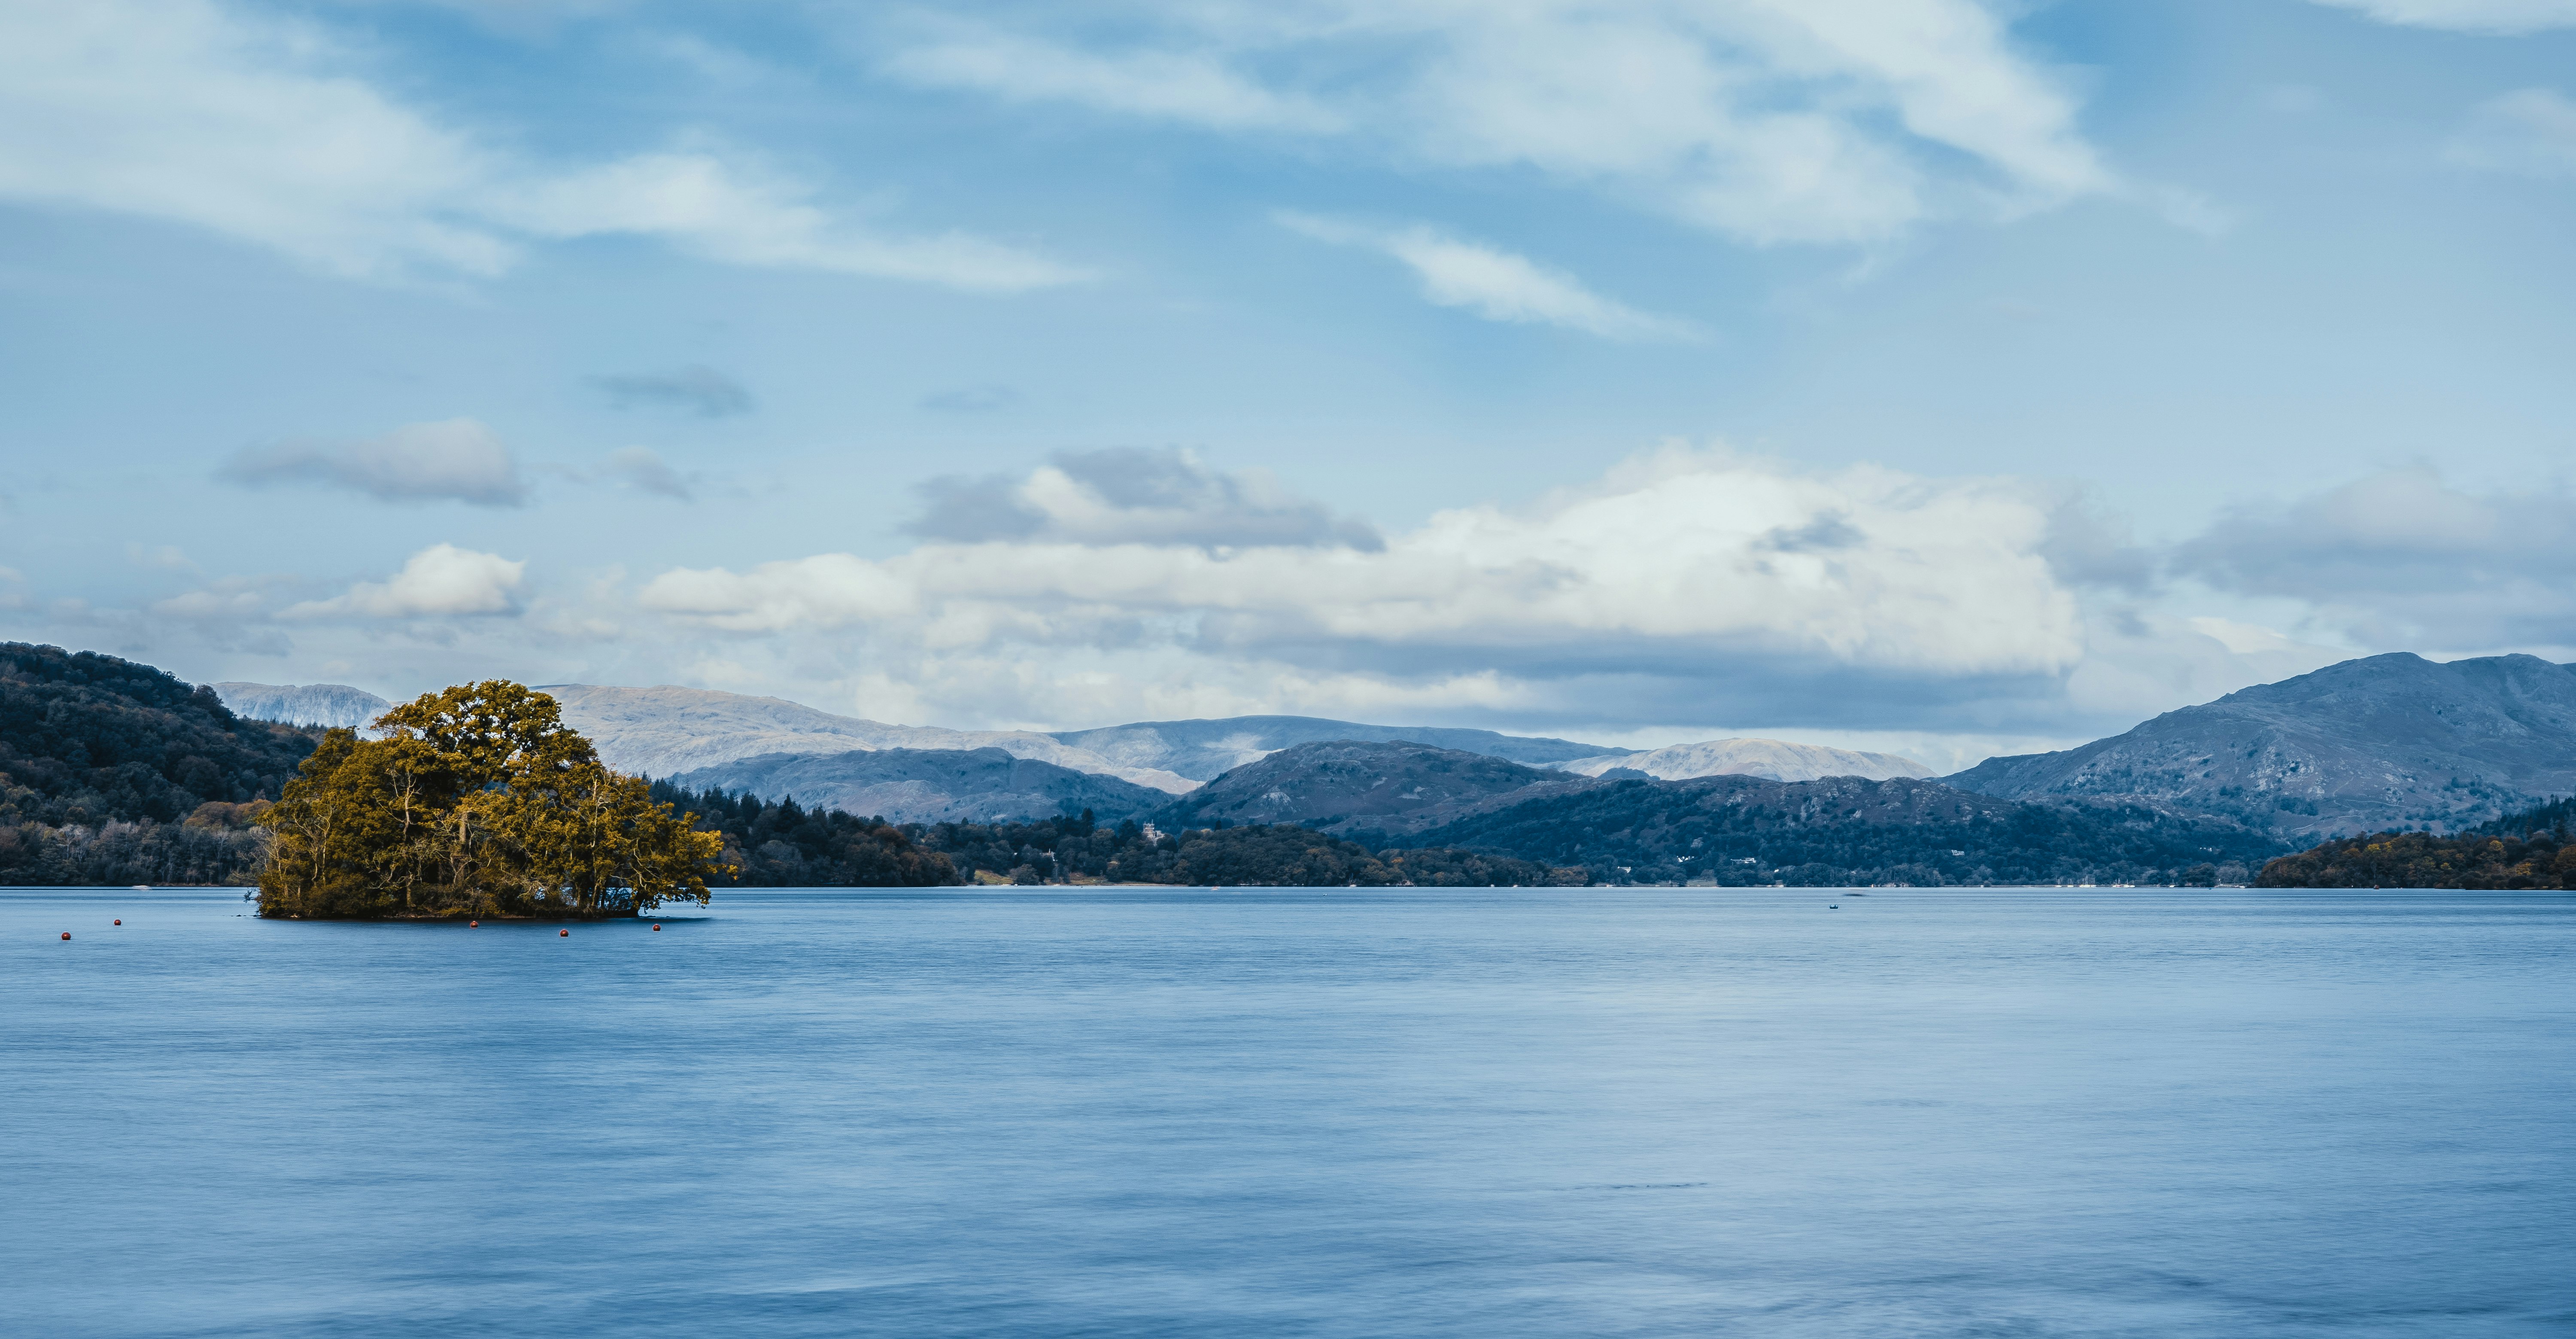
x=1736 y=830
x=787 y=845
x=1277 y=854
x=1203 y=750
x=113 y=772
x=1348 y=787
x=907 y=785
x=2535 y=848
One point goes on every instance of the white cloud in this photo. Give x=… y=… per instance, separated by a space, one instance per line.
x=2468 y=16
x=828 y=590
x=2530 y=132
x=229 y=602
x=1688 y=565
x=457 y=459
x=259 y=130
x=2242 y=638
x=1497 y=284
x=439 y=581
x=1769 y=120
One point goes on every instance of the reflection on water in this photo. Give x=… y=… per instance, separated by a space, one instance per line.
x=1313 y=1113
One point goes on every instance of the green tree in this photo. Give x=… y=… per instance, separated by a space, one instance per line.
x=477 y=801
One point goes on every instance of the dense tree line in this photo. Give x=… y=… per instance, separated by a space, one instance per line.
x=1077 y=849
x=1286 y=854
x=2535 y=848
x=117 y=773
x=782 y=844
x=215 y=848
x=1842 y=832
x=477 y=801
x=785 y=845
x=2555 y=819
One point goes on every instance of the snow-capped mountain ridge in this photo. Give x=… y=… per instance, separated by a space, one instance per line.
x=1770 y=759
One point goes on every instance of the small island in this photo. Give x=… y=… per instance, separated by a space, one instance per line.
x=475 y=802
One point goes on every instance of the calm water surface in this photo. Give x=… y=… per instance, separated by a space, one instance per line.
x=1324 y=1113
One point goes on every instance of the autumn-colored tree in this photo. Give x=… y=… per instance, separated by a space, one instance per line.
x=476 y=801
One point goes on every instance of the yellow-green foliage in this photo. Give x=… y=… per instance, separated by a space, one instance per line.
x=2422 y=860
x=478 y=801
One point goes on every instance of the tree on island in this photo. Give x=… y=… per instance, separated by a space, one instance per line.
x=477 y=801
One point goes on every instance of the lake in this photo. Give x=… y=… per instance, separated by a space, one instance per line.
x=1627 y=1112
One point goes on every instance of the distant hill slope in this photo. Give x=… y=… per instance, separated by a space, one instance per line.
x=664 y=731
x=1351 y=786
x=2383 y=742
x=2532 y=848
x=85 y=738
x=113 y=772
x=1771 y=759
x=928 y=785
x=325 y=704
x=1741 y=830
x=1201 y=750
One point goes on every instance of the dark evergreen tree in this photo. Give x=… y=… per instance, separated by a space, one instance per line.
x=115 y=773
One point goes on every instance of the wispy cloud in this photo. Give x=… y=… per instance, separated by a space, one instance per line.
x=745 y=216
x=982 y=399
x=643 y=469
x=2530 y=132
x=1194 y=87
x=1766 y=120
x=458 y=460
x=262 y=130
x=1496 y=284
x=2468 y=16
x=697 y=388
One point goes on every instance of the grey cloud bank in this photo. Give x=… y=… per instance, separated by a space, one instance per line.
x=697 y=389
x=2400 y=560
x=457 y=460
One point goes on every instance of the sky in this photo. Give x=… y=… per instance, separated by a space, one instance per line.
x=1945 y=377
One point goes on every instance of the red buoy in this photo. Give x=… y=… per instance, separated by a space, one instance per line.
x=470 y=925
x=657 y=929
x=120 y=920
x=567 y=934
x=67 y=934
